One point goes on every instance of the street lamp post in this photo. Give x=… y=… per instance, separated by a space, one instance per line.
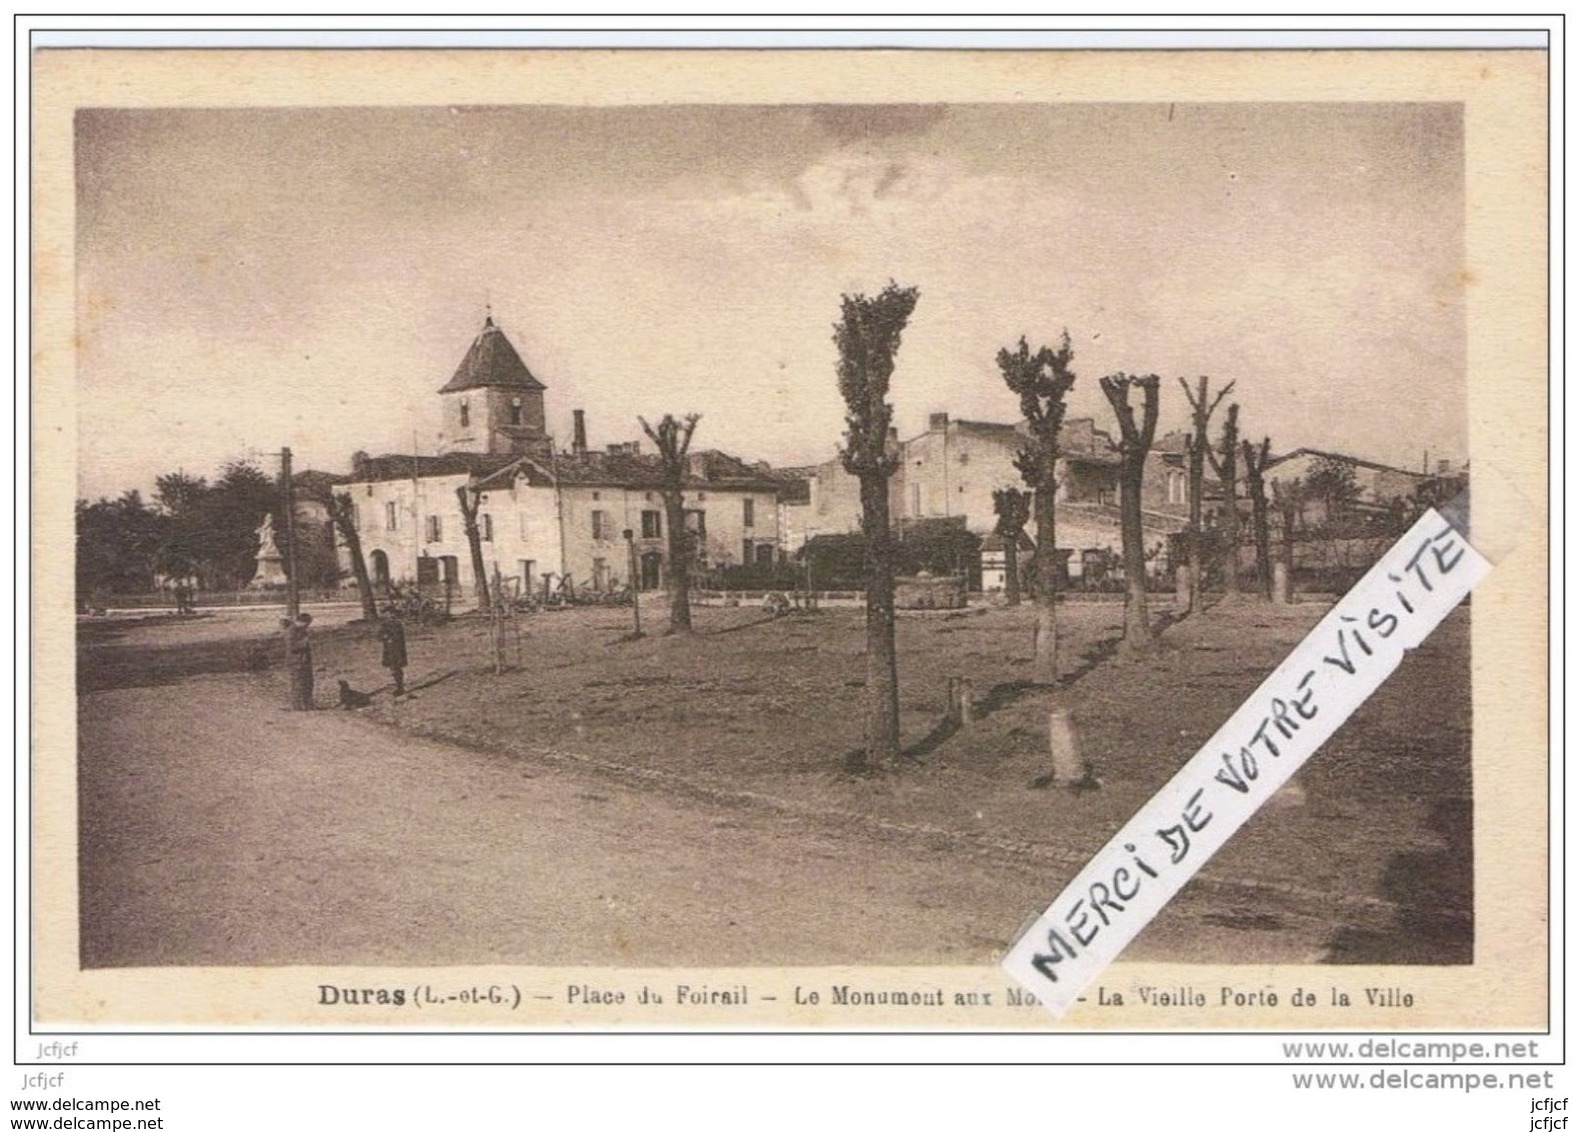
x=630 y=544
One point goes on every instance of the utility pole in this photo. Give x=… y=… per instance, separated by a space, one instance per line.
x=293 y=599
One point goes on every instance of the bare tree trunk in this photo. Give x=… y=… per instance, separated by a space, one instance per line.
x=1136 y=443
x=1201 y=411
x=1263 y=539
x=1044 y=669
x=341 y=514
x=1289 y=509
x=1137 y=622
x=679 y=562
x=1231 y=545
x=1197 y=487
x=1011 y=566
x=882 y=663
x=1255 y=473
x=469 y=503
x=1227 y=468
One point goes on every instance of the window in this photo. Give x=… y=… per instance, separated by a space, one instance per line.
x=764 y=554
x=487 y=528
x=525 y=527
x=600 y=526
x=596 y=495
x=356 y=517
x=389 y=516
x=751 y=513
x=696 y=523
x=466 y=415
x=652 y=524
x=435 y=529
x=515 y=411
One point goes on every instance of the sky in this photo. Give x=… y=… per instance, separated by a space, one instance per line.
x=252 y=279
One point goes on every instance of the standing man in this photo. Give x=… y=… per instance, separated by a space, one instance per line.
x=299 y=659
x=393 y=635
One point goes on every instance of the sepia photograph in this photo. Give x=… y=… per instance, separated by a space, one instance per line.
x=768 y=542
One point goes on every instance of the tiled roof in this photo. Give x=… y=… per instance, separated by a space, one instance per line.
x=1355 y=460
x=398 y=467
x=492 y=361
x=634 y=470
x=315 y=484
x=988 y=428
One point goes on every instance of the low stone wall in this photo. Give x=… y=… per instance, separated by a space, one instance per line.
x=929 y=593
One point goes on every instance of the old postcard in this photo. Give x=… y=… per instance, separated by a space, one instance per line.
x=586 y=539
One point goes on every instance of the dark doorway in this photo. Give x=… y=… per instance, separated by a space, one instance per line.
x=380 y=569
x=651 y=570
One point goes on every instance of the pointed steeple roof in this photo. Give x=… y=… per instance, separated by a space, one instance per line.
x=492 y=361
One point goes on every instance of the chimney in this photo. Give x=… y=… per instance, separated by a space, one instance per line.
x=1444 y=467
x=937 y=422
x=578 y=442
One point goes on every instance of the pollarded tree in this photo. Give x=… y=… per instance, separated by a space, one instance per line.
x=471 y=500
x=1042 y=381
x=342 y=513
x=1201 y=411
x=1013 y=508
x=1289 y=497
x=1225 y=462
x=1256 y=460
x=1134 y=445
x=673 y=438
x=867 y=336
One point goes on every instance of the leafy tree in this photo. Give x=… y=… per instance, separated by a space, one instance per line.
x=1013 y=509
x=1201 y=411
x=1135 y=443
x=119 y=546
x=673 y=438
x=1332 y=482
x=185 y=503
x=1225 y=462
x=1256 y=460
x=1042 y=381
x=232 y=513
x=939 y=547
x=867 y=336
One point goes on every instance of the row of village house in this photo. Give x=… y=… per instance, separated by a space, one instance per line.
x=548 y=513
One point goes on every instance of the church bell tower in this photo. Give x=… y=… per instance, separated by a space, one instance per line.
x=493 y=405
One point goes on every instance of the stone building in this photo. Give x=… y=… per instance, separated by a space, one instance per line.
x=545 y=515
x=1379 y=486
